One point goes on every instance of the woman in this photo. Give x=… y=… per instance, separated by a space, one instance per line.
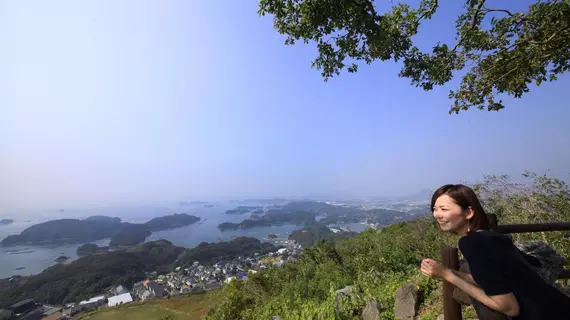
x=501 y=278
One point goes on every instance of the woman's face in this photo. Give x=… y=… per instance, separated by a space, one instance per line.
x=450 y=216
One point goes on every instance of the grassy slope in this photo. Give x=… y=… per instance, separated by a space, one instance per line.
x=189 y=307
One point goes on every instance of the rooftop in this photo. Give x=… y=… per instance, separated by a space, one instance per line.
x=122 y=298
x=92 y=300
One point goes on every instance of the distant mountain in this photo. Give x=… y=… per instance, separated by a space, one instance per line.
x=422 y=195
x=66 y=231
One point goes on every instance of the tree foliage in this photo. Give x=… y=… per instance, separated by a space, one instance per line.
x=500 y=50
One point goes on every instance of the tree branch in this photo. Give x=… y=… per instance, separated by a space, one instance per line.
x=473 y=24
x=425 y=14
x=498 y=10
x=549 y=38
x=430 y=11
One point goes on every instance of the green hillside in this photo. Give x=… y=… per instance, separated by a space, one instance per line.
x=377 y=263
x=191 y=307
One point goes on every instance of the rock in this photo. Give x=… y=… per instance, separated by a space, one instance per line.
x=439 y=289
x=349 y=293
x=551 y=262
x=371 y=311
x=461 y=297
x=276 y=318
x=406 y=300
x=345 y=292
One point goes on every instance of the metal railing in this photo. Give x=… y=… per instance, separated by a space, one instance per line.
x=450 y=259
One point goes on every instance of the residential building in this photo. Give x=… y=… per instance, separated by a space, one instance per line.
x=119 y=300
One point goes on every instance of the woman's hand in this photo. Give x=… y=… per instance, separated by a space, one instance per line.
x=432 y=269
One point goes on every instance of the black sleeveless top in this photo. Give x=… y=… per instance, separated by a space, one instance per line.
x=498 y=267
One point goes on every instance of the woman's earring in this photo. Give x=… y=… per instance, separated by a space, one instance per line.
x=468 y=225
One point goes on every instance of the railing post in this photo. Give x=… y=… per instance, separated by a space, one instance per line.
x=492 y=219
x=451 y=308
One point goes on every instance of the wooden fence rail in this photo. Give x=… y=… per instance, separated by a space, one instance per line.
x=450 y=259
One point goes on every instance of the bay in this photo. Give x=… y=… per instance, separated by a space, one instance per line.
x=34 y=259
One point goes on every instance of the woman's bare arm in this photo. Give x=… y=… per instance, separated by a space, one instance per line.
x=504 y=303
x=465 y=276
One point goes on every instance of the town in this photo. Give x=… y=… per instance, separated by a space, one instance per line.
x=195 y=279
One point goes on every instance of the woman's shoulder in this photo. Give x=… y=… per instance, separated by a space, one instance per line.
x=483 y=240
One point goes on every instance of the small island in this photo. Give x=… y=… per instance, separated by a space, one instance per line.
x=246 y=209
x=192 y=203
x=61 y=259
x=4 y=222
x=272 y=236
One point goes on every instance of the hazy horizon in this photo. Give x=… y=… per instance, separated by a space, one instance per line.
x=140 y=101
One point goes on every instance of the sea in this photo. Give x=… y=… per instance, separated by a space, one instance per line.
x=29 y=260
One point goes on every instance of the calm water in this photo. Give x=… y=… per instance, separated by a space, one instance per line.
x=35 y=259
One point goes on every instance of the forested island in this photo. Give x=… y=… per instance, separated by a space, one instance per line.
x=6 y=221
x=61 y=259
x=273 y=218
x=68 y=231
x=245 y=209
x=305 y=212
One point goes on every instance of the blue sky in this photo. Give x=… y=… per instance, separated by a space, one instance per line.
x=127 y=101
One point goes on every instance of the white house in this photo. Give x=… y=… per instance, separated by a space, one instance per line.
x=95 y=301
x=120 y=299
